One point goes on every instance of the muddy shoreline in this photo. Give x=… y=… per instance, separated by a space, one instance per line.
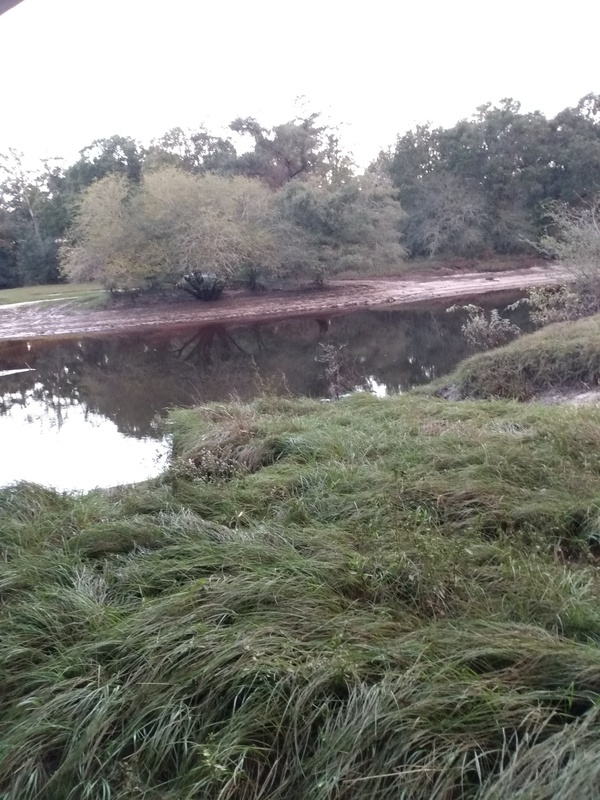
x=67 y=319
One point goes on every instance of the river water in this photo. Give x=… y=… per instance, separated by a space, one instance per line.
x=85 y=413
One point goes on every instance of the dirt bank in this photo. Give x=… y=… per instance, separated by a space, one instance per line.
x=340 y=297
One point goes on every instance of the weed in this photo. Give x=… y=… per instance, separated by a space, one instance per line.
x=485 y=330
x=550 y=304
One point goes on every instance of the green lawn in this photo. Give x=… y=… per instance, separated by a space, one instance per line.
x=61 y=291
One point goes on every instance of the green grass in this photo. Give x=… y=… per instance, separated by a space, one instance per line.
x=376 y=598
x=60 y=291
x=561 y=356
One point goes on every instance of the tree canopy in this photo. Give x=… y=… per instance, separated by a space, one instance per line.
x=482 y=183
x=150 y=233
x=288 y=199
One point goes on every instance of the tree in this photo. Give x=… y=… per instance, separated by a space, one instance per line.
x=9 y=274
x=575 y=156
x=511 y=160
x=32 y=220
x=194 y=151
x=352 y=226
x=447 y=215
x=573 y=238
x=298 y=149
x=129 y=235
x=120 y=155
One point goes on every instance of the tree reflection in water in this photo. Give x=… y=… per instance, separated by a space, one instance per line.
x=203 y=341
x=130 y=379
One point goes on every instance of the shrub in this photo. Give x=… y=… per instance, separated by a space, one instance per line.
x=574 y=240
x=202 y=285
x=483 y=331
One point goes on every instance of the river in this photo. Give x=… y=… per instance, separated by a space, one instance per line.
x=87 y=411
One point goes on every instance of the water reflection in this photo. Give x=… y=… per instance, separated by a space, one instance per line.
x=90 y=405
x=73 y=449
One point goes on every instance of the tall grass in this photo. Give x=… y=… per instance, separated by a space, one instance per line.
x=562 y=356
x=390 y=598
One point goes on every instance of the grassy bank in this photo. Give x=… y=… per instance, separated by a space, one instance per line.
x=377 y=598
x=61 y=291
x=561 y=356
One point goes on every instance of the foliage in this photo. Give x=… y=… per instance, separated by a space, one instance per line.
x=139 y=235
x=574 y=239
x=502 y=164
x=194 y=151
x=478 y=187
x=549 y=304
x=37 y=207
x=353 y=226
x=172 y=223
x=202 y=285
x=484 y=330
x=31 y=219
x=297 y=150
x=448 y=216
x=365 y=599
x=117 y=155
x=9 y=273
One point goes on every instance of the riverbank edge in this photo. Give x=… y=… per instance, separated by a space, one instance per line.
x=342 y=297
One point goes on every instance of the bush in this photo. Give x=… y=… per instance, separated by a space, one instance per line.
x=138 y=235
x=483 y=331
x=549 y=304
x=202 y=285
x=574 y=239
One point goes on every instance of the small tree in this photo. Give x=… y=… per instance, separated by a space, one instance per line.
x=574 y=240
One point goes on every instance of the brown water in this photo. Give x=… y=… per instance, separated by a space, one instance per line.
x=86 y=413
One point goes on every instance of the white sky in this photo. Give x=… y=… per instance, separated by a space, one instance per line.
x=73 y=71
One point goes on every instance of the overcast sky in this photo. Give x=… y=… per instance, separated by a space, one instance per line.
x=76 y=70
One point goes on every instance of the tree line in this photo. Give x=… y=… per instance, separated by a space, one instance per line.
x=487 y=183
x=292 y=203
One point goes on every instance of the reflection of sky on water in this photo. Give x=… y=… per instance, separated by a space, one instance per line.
x=73 y=449
x=378 y=389
x=84 y=416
